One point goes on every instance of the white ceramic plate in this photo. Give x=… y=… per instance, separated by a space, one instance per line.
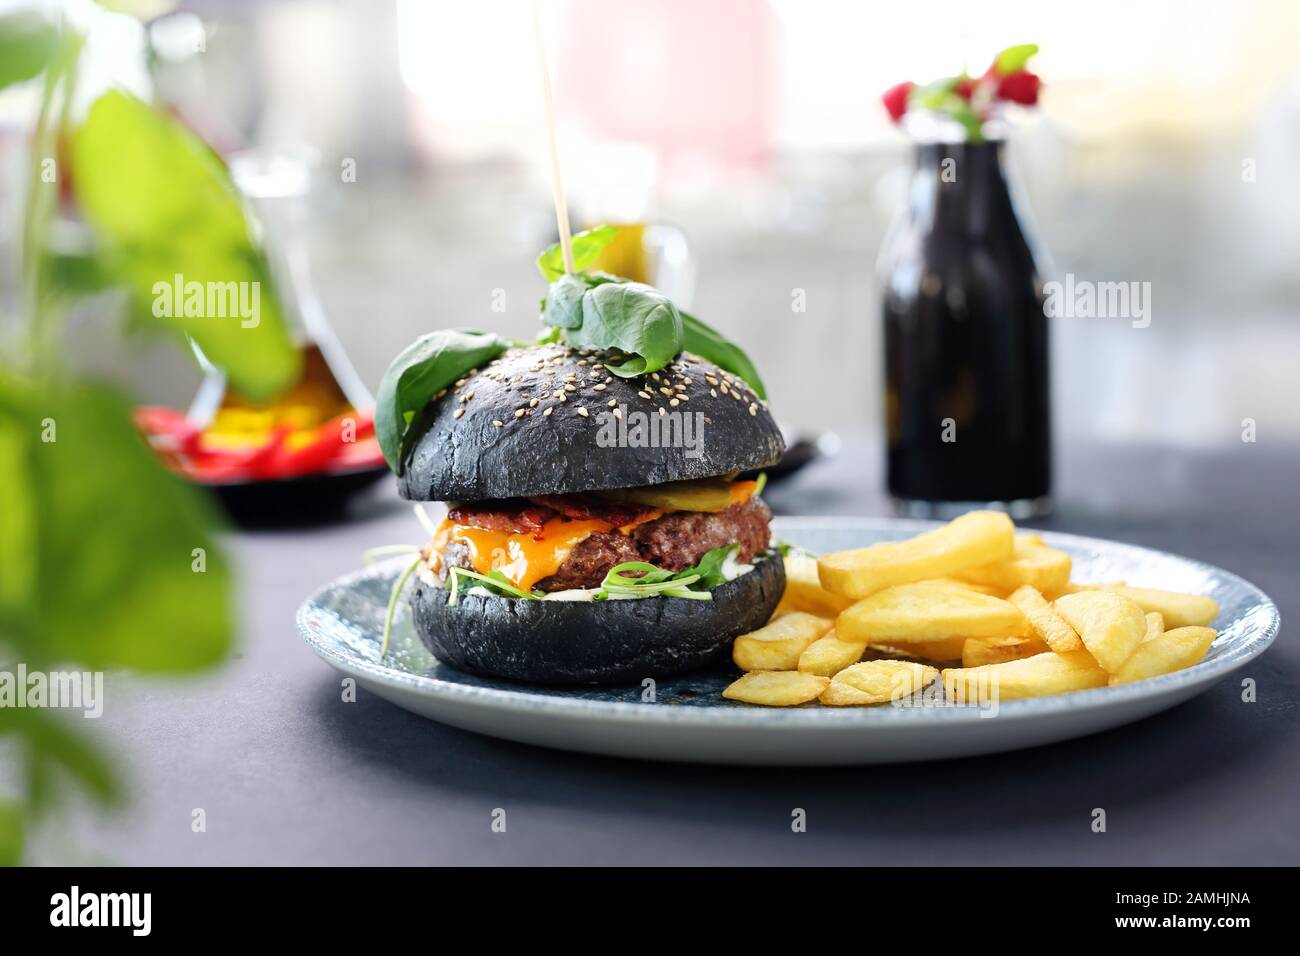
x=690 y=721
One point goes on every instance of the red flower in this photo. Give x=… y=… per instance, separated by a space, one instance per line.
x=895 y=100
x=1020 y=87
x=965 y=88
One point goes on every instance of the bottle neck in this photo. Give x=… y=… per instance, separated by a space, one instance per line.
x=960 y=187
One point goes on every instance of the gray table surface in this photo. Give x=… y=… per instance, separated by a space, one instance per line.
x=288 y=773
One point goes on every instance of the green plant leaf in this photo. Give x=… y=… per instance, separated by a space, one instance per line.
x=425 y=367
x=961 y=111
x=54 y=747
x=126 y=572
x=563 y=308
x=11 y=833
x=934 y=95
x=1014 y=58
x=587 y=247
x=709 y=567
x=79 y=274
x=633 y=318
x=711 y=346
x=163 y=205
x=27 y=45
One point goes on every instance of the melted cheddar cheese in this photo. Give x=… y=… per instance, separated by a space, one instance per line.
x=523 y=558
x=742 y=491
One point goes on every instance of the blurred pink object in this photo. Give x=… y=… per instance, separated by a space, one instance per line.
x=691 y=80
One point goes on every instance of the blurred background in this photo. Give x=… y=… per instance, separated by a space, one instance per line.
x=400 y=143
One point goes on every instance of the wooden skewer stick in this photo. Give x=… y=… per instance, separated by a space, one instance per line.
x=557 y=184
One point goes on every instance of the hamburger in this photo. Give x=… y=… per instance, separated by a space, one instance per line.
x=596 y=528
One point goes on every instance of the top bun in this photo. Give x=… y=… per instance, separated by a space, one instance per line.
x=549 y=419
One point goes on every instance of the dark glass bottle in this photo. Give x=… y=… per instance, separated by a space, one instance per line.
x=966 y=358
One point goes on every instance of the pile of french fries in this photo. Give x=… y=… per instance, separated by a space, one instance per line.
x=867 y=626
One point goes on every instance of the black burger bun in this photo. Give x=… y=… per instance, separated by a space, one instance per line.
x=594 y=642
x=539 y=421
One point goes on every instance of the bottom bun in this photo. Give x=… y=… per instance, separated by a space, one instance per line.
x=594 y=642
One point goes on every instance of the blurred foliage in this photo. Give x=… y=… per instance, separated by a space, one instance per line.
x=163 y=205
x=108 y=560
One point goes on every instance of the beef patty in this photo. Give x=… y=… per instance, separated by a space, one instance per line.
x=677 y=540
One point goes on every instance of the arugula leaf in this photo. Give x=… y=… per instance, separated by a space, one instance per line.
x=420 y=371
x=711 y=346
x=27 y=44
x=1014 y=58
x=651 y=581
x=633 y=318
x=587 y=246
x=163 y=205
x=709 y=567
x=495 y=581
x=787 y=549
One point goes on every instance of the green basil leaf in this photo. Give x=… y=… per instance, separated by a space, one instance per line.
x=420 y=371
x=596 y=278
x=633 y=318
x=27 y=44
x=1014 y=58
x=167 y=215
x=563 y=307
x=711 y=346
x=587 y=247
x=125 y=571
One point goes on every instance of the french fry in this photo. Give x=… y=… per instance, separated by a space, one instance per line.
x=1074 y=587
x=828 y=655
x=877 y=682
x=1110 y=625
x=803 y=589
x=937 y=651
x=978 y=537
x=844 y=695
x=976 y=591
x=915 y=613
x=978 y=651
x=1047 y=624
x=777 y=645
x=1039 y=676
x=1177 y=609
x=1031 y=562
x=1165 y=652
x=776 y=688
x=968 y=585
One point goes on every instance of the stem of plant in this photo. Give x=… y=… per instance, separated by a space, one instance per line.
x=392 y=606
x=41 y=204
